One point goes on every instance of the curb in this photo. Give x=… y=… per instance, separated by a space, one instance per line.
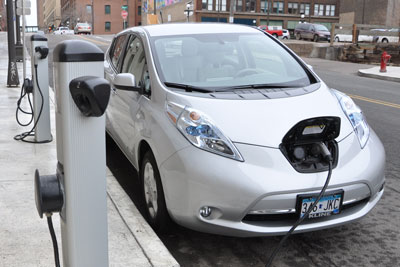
x=152 y=247
x=374 y=73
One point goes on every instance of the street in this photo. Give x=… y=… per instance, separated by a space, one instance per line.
x=372 y=241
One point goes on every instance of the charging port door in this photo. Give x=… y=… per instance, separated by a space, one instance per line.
x=301 y=145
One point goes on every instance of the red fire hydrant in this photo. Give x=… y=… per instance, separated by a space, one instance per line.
x=384 y=60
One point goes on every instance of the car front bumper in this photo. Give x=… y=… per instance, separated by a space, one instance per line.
x=258 y=197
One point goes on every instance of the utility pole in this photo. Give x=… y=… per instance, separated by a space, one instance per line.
x=18 y=45
x=92 y=18
x=269 y=8
x=12 y=78
x=232 y=9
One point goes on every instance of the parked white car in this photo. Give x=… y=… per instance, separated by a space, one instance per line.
x=233 y=134
x=389 y=38
x=285 y=34
x=63 y=30
x=349 y=38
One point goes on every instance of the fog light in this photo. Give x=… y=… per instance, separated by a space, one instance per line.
x=205 y=211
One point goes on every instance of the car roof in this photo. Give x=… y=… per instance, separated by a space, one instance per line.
x=197 y=28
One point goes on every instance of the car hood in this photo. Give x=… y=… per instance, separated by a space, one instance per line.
x=265 y=122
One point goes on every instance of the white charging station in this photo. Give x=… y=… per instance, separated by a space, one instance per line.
x=81 y=152
x=40 y=81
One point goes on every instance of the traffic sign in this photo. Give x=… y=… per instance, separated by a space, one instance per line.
x=25 y=11
x=27 y=3
x=124 y=14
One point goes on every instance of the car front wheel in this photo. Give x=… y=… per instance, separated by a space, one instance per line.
x=315 y=38
x=155 y=209
x=298 y=36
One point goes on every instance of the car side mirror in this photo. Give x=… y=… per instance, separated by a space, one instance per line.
x=312 y=29
x=125 y=81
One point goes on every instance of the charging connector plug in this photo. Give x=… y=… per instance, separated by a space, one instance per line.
x=324 y=152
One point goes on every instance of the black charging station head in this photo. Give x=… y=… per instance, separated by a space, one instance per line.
x=28 y=86
x=90 y=94
x=48 y=194
x=313 y=130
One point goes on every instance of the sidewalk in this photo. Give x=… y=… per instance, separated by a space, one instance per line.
x=392 y=74
x=24 y=237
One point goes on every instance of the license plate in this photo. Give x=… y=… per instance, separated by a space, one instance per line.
x=329 y=204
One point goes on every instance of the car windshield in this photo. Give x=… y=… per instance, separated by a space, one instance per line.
x=226 y=60
x=320 y=28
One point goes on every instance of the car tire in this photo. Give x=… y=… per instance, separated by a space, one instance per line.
x=285 y=38
x=316 y=38
x=156 y=212
x=384 y=40
x=275 y=35
x=337 y=39
x=298 y=36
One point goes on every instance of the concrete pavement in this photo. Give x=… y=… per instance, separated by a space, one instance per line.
x=24 y=237
x=392 y=74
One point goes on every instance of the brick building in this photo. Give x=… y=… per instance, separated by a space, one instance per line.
x=285 y=13
x=51 y=12
x=3 y=14
x=106 y=14
x=373 y=12
x=40 y=15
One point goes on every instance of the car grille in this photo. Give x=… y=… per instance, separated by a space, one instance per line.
x=292 y=216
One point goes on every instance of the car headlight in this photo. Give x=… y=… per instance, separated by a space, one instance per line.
x=355 y=116
x=201 y=131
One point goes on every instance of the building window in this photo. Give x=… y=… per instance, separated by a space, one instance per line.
x=89 y=9
x=210 y=5
x=264 y=6
x=139 y=10
x=223 y=5
x=203 y=4
x=293 y=8
x=330 y=10
x=107 y=26
x=239 y=5
x=107 y=9
x=305 y=9
x=250 y=5
x=318 y=10
x=278 y=8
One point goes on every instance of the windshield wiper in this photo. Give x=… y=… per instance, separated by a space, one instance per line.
x=187 y=87
x=257 y=86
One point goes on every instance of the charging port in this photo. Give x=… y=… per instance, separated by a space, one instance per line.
x=302 y=145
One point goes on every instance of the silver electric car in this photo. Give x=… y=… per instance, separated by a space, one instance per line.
x=228 y=129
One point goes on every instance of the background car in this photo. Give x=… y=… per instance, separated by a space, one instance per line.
x=63 y=30
x=233 y=134
x=285 y=34
x=83 y=28
x=275 y=31
x=314 y=32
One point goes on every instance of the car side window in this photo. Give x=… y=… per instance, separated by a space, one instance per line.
x=134 y=60
x=116 y=51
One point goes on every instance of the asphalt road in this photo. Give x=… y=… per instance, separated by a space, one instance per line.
x=372 y=241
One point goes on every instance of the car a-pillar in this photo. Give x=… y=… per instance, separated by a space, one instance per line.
x=78 y=191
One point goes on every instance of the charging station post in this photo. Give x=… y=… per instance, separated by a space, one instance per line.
x=40 y=81
x=78 y=190
x=81 y=153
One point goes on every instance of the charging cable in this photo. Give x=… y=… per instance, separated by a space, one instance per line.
x=26 y=90
x=53 y=238
x=326 y=155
